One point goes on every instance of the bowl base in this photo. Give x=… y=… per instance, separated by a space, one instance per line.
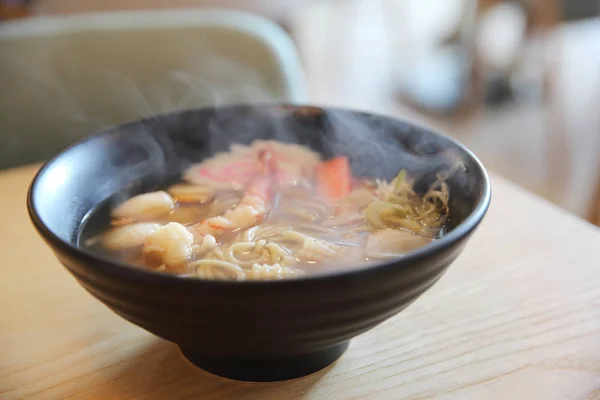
x=266 y=370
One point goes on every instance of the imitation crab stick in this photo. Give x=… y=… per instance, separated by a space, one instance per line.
x=334 y=178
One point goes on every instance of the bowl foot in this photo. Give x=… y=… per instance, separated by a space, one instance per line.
x=266 y=370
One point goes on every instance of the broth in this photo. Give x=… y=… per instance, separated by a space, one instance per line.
x=271 y=211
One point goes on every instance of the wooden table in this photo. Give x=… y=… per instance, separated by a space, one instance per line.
x=516 y=317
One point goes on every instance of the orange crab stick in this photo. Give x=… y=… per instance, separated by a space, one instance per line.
x=334 y=178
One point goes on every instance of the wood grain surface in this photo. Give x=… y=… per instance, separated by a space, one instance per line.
x=517 y=316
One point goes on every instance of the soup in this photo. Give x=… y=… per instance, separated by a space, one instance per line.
x=272 y=211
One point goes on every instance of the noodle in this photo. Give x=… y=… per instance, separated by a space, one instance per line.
x=262 y=232
x=253 y=252
x=294 y=236
x=278 y=254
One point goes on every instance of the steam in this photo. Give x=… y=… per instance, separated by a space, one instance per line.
x=90 y=94
x=210 y=82
x=71 y=90
x=380 y=147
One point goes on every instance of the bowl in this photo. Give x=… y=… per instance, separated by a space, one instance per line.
x=264 y=330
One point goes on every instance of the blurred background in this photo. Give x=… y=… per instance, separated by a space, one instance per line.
x=518 y=81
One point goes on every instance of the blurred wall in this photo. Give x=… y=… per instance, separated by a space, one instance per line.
x=577 y=9
x=274 y=9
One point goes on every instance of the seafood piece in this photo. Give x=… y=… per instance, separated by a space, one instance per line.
x=319 y=246
x=238 y=166
x=317 y=250
x=191 y=193
x=171 y=243
x=204 y=245
x=121 y=222
x=217 y=269
x=392 y=242
x=268 y=272
x=128 y=236
x=252 y=208
x=145 y=206
x=249 y=212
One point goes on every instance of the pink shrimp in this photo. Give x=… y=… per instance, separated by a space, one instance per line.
x=253 y=207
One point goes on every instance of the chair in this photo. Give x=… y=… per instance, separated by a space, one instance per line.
x=62 y=78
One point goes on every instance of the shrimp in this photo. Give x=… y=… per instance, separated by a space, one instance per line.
x=145 y=207
x=172 y=243
x=253 y=207
x=203 y=246
x=191 y=193
x=128 y=236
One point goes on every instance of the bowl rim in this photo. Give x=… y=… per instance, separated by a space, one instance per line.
x=118 y=268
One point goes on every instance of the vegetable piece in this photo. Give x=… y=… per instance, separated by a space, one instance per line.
x=375 y=212
x=334 y=178
x=399 y=181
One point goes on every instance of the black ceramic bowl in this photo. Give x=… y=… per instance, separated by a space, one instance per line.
x=257 y=331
